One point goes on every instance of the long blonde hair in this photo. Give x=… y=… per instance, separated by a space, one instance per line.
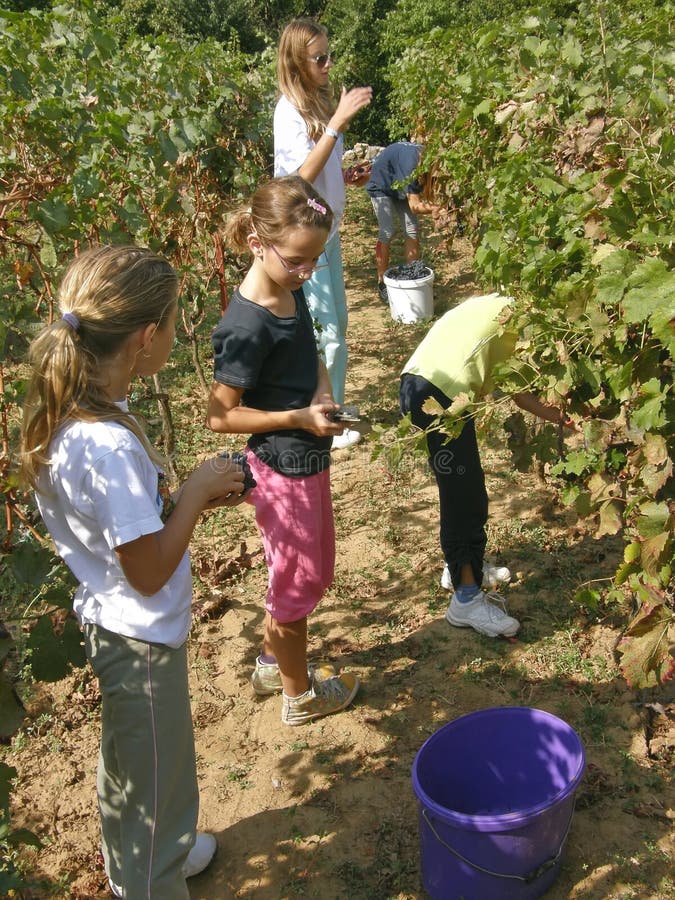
x=106 y=294
x=315 y=104
x=276 y=207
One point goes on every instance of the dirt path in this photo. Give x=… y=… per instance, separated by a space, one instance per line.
x=327 y=811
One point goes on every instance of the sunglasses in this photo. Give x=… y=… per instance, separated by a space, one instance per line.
x=322 y=59
x=298 y=270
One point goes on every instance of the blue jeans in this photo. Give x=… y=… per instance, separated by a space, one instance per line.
x=462 y=495
x=327 y=302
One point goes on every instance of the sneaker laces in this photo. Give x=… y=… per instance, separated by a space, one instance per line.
x=330 y=689
x=496 y=603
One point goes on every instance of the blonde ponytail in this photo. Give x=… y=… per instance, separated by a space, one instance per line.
x=106 y=294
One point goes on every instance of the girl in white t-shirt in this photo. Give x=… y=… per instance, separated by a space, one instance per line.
x=101 y=491
x=308 y=127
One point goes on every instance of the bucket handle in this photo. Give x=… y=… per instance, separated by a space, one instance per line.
x=528 y=878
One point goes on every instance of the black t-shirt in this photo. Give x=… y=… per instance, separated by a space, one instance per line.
x=275 y=361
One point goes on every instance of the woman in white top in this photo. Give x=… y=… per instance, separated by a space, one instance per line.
x=308 y=126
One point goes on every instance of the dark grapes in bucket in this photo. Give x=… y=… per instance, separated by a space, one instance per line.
x=410 y=271
x=240 y=458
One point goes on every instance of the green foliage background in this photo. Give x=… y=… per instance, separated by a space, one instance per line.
x=550 y=139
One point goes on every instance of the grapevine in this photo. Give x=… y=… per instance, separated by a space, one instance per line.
x=553 y=140
x=106 y=142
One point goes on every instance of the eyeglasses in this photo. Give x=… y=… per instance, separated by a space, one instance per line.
x=297 y=270
x=322 y=59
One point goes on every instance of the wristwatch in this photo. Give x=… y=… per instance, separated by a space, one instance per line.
x=331 y=132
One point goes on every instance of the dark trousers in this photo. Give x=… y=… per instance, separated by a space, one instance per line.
x=459 y=475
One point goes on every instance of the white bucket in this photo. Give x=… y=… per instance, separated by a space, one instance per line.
x=413 y=300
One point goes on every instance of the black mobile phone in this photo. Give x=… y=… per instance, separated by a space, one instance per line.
x=346 y=414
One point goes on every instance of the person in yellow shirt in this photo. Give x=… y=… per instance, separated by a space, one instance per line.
x=457 y=356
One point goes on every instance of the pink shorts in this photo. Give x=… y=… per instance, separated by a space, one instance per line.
x=295 y=518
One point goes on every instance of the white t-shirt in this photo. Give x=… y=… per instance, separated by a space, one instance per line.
x=101 y=490
x=292 y=146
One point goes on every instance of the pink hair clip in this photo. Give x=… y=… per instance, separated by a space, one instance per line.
x=316 y=205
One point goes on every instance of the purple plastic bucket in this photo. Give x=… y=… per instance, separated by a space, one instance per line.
x=495 y=792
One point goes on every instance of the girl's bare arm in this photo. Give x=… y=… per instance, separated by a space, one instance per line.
x=226 y=415
x=350 y=103
x=149 y=561
x=324 y=389
x=532 y=404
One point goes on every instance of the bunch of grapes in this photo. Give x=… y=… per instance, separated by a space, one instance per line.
x=240 y=459
x=410 y=271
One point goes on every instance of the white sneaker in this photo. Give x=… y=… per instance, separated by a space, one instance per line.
x=198 y=859
x=493 y=576
x=266 y=677
x=322 y=699
x=483 y=615
x=348 y=438
x=201 y=854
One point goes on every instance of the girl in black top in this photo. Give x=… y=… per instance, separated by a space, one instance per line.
x=270 y=382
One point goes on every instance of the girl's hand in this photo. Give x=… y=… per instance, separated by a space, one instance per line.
x=350 y=103
x=216 y=481
x=231 y=500
x=441 y=217
x=150 y=560
x=315 y=419
x=325 y=397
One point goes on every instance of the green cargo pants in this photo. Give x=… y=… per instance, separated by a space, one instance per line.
x=147 y=777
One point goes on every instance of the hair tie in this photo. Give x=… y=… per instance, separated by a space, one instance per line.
x=316 y=205
x=72 y=320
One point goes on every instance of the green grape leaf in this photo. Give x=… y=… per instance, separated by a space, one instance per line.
x=54 y=215
x=610 y=288
x=30 y=562
x=623 y=572
x=572 y=52
x=587 y=597
x=650 y=414
x=7 y=776
x=649 y=285
x=23 y=836
x=653 y=519
x=631 y=552
x=12 y=712
x=662 y=321
x=653 y=553
x=54 y=655
x=432 y=407
x=48 y=256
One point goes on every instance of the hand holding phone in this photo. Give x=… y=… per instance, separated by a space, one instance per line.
x=346 y=414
